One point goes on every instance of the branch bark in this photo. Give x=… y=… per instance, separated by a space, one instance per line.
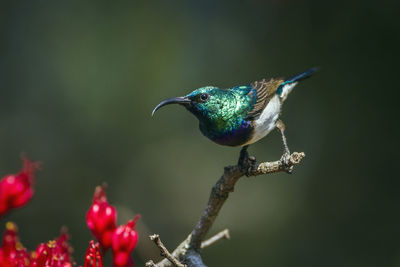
x=189 y=250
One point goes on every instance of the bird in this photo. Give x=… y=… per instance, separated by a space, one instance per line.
x=240 y=115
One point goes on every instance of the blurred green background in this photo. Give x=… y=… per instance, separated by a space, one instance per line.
x=79 y=81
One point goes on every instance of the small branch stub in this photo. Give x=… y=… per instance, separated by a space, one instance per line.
x=221 y=235
x=164 y=252
x=150 y=263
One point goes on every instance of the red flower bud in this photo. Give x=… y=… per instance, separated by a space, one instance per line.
x=17 y=190
x=101 y=218
x=93 y=255
x=124 y=241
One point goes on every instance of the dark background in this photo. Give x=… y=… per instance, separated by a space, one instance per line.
x=79 y=81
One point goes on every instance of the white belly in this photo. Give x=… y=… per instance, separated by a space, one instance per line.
x=267 y=120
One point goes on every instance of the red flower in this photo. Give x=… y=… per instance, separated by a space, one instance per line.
x=12 y=253
x=53 y=254
x=124 y=240
x=101 y=218
x=17 y=190
x=93 y=255
x=56 y=253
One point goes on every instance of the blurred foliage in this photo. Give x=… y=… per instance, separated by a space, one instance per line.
x=79 y=80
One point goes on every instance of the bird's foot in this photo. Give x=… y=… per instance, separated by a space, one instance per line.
x=285 y=159
x=246 y=163
x=252 y=166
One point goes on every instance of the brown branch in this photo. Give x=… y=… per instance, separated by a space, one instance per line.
x=164 y=252
x=278 y=166
x=189 y=250
x=226 y=184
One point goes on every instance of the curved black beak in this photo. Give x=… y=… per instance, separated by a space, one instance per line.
x=183 y=100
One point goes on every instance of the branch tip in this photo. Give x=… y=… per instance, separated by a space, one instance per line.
x=150 y=263
x=164 y=252
x=220 y=236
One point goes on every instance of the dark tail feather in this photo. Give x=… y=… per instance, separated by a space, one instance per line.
x=286 y=87
x=301 y=76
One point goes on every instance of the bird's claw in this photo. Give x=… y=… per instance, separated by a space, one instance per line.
x=246 y=163
x=252 y=168
x=249 y=167
x=285 y=159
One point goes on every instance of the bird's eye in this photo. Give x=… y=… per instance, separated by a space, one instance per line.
x=204 y=97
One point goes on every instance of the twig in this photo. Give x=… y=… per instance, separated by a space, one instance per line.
x=182 y=248
x=164 y=252
x=221 y=235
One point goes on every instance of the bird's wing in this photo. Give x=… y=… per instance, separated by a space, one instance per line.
x=262 y=91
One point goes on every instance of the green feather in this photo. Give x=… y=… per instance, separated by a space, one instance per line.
x=224 y=111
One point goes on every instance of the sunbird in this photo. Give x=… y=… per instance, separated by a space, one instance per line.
x=241 y=115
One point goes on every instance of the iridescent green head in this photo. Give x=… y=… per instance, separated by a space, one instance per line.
x=221 y=112
x=212 y=105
